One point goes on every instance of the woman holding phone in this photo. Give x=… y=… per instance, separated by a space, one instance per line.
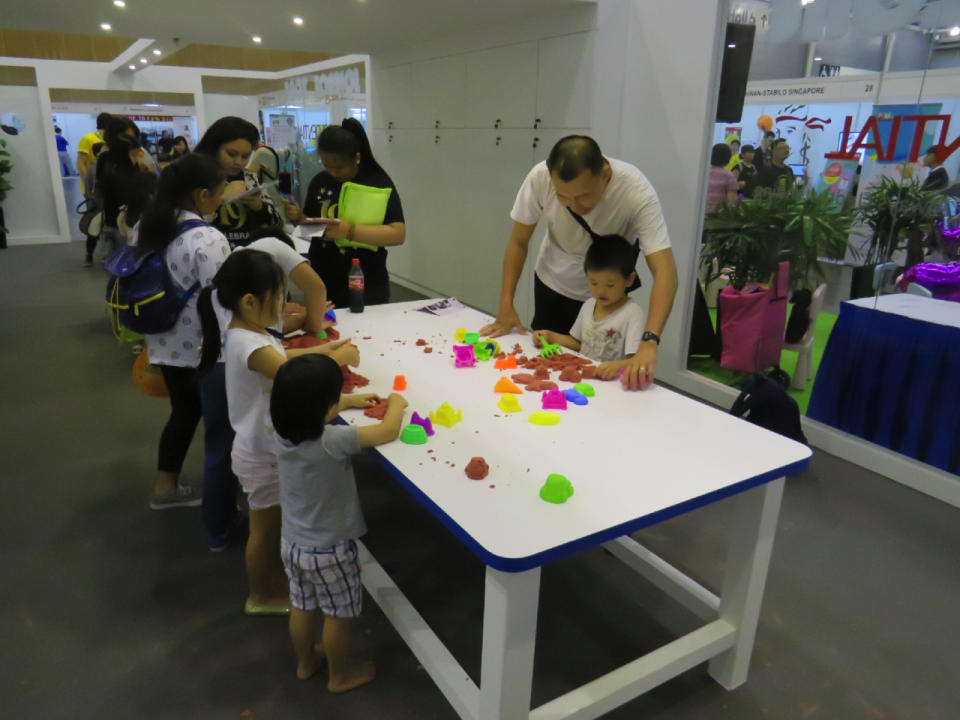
x=346 y=156
x=231 y=141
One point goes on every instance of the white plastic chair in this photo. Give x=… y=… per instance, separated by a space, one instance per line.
x=804 y=348
x=719 y=282
x=880 y=273
x=920 y=290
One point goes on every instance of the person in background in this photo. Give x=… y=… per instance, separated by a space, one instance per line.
x=66 y=167
x=762 y=156
x=231 y=141
x=165 y=149
x=141 y=195
x=777 y=177
x=267 y=162
x=937 y=179
x=734 y=142
x=91 y=194
x=180 y=147
x=85 y=156
x=747 y=171
x=345 y=152
x=117 y=167
x=722 y=186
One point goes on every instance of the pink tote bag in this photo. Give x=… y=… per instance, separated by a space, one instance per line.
x=752 y=322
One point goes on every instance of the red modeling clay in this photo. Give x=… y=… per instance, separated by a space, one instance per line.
x=523 y=378
x=542 y=373
x=421 y=342
x=352 y=381
x=477 y=469
x=570 y=375
x=517 y=350
x=589 y=373
x=428 y=350
x=522 y=360
x=368 y=338
x=540 y=386
x=501 y=356
x=377 y=411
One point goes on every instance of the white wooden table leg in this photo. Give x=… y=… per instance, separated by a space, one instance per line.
x=509 y=630
x=748 y=558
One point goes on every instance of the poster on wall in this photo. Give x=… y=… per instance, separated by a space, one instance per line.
x=284 y=132
x=837 y=179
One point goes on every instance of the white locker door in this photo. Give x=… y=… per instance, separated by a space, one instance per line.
x=502 y=87
x=496 y=162
x=391 y=102
x=565 y=81
x=439 y=93
x=432 y=206
x=392 y=150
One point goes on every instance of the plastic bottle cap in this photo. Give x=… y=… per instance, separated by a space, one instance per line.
x=356 y=261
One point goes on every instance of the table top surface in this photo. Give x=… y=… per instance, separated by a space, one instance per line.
x=941 y=312
x=634 y=459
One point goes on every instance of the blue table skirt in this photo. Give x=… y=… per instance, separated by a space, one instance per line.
x=894 y=381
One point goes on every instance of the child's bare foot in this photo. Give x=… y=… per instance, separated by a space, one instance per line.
x=354 y=677
x=305 y=672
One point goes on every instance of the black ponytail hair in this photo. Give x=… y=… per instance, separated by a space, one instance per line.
x=349 y=138
x=158 y=225
x=226 y=130
x=118 y=127
x=243 y=272
x=141 y=195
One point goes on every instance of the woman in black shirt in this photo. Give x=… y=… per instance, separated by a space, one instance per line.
x=346 y=156
x=231 y=141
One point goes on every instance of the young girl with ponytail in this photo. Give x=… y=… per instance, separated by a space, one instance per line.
x=347 y=157
x=251 y=287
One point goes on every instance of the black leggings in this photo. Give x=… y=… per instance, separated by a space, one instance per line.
x=91 y=243
x=551 y=310
x=186 y=411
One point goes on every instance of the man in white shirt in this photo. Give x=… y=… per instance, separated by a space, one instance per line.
x=583 y=195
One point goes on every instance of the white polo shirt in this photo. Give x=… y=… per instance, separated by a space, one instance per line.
x=629 y=208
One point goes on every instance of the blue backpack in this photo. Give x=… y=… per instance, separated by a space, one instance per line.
x=141 y=295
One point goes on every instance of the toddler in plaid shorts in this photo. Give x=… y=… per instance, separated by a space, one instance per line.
x=321 y=513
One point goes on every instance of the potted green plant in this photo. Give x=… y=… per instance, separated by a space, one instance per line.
x=899 y=215
x=756 y=235
x=5 y=168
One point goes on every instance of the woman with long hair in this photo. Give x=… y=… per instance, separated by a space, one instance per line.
x=230 y=141
x=347 y=157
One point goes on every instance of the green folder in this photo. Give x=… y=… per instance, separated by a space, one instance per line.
x=362 y=205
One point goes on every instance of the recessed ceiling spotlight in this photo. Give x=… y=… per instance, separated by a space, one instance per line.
x=119 y=3
x=298 y=21
x=256 y=38
x=106 y=26
x=817 y=59
x=954 y=31
x=732 y=45
x=143 y=60
x=151 y=104
x=156 y=52
x=133 y=67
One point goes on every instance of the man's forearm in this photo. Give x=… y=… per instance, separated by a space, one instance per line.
x=513 y=261
x=665 y=284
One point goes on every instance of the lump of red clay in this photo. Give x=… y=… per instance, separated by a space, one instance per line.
x=542 y=373
x=570 y=375
x=540 y=386
x=428 y=350
x=351 y=380
x=522 y=360
x=522 y=378
x=421 y=343
x=589 y=373
x=477 y=469
x=378 y=410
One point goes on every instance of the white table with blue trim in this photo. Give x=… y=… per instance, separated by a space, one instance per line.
x=634 y=459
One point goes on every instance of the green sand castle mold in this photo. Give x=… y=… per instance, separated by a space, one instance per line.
x=414 y=435
x=557 y=489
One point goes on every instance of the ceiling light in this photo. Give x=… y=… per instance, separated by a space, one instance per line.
x=133 y=67
x=817 y=59
x=106 y=26
x=256 y=38
x=143 y=60
x=119 y=3
x=732 y=45
x=156 y=52
x=151 y=104
x=298 y=21
x=954 y=31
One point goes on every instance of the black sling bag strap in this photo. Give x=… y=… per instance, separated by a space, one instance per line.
x=593 y=236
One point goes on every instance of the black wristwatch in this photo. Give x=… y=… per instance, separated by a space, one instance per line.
x=647 y=335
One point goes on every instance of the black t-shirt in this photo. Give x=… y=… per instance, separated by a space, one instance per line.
x=938 y=179
x=237 y=221
x=747 y=174
x=333 y=263
x=777 y=179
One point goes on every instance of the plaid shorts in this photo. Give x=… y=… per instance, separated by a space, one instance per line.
x=325 y=578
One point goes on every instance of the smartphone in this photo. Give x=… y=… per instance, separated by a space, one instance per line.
x=251 y=191
x=285 y=183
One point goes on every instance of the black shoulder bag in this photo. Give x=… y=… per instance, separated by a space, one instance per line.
x=593 y=236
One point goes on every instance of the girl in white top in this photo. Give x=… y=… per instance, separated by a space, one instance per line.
x=251 y=286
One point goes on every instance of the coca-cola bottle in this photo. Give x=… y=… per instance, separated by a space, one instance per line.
x=355 y=283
